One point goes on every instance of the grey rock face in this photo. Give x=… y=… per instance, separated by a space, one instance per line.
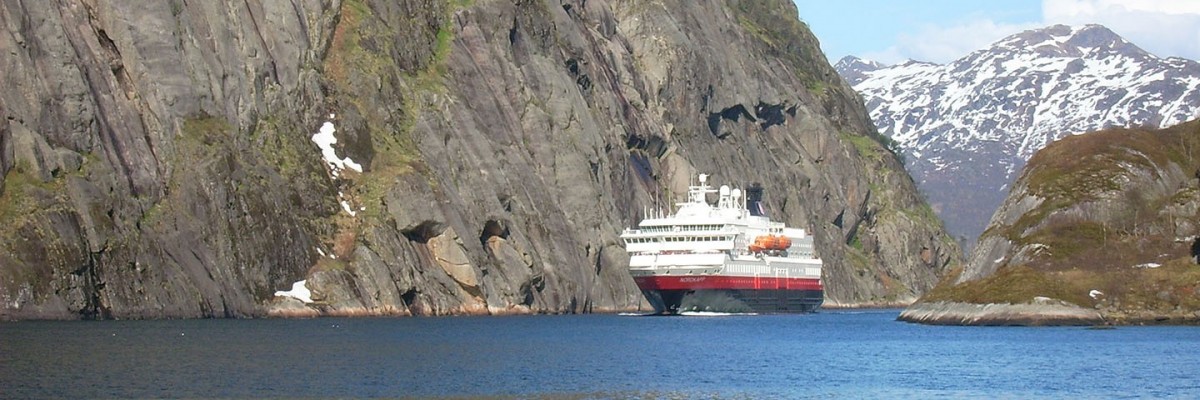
x=159 y=159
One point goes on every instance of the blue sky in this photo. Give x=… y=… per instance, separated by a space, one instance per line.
x=891 y=31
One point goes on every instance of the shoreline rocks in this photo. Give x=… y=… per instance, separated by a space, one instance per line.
x=1044 y=313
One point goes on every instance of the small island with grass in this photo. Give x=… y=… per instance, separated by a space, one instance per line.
x=1100 y=229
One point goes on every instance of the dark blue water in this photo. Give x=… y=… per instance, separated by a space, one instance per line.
x=824 y=355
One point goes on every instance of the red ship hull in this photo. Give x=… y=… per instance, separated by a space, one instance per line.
x=672 y=294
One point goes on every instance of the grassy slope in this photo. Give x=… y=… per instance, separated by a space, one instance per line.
x=1085 y=253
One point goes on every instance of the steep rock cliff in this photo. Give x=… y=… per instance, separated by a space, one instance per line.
x=1105 y=221
x=198 y=159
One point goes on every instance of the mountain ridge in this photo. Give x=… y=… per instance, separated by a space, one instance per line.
x=967 y=127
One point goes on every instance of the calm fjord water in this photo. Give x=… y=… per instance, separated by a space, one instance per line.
x=831 y=354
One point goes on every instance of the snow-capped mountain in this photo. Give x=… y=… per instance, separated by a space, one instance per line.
x=968 y=127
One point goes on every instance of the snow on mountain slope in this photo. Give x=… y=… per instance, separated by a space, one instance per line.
x=968 y=127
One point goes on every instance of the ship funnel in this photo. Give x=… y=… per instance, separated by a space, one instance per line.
x=754 y=195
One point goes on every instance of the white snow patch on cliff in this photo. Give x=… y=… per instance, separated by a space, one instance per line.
x=325 y=139
x=298 y=292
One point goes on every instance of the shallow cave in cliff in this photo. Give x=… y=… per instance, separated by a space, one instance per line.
x=652 y=145
x=641 y=166
x=1196 y=250
x=422 y=232
x=581 y=78
x=734 y=113
x=493 y=228
x=770 y=114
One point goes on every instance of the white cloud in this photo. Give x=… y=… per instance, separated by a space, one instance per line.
x=1163 y=27
x=941 y=44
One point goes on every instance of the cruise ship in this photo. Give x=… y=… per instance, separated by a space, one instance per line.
x=726 y=256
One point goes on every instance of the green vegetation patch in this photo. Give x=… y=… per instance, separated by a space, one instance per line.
x=25 y=196
x=29 y=211
x=1173 y=285
x=15 y=202
x=383 y=75
x=296 y=160
x=1176 y=284
x=1073 y=253
x=1080 y=168
x=1015 y=285
x=202 y=137
x=1093 y=166
x=865 y=146
x=1069 y=239
x=874 y=146
x=774 y=24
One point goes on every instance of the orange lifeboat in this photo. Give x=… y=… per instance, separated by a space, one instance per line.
x=770 y=242
x=762 y=243
x=782 y=243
